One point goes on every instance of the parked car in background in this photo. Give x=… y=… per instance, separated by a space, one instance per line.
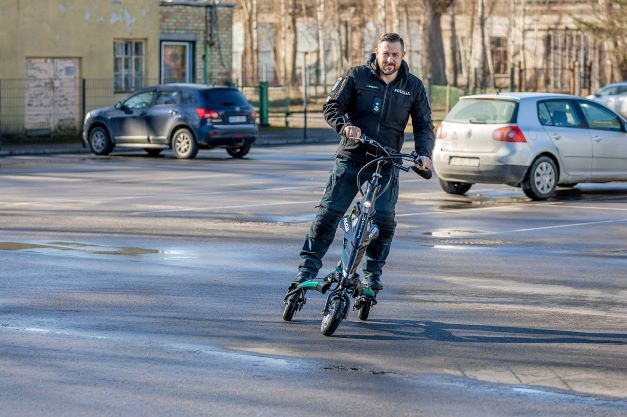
x=532 y=140
x=613 y=96
x=181 y=117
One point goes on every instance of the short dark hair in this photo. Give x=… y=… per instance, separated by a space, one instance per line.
x=392 y=37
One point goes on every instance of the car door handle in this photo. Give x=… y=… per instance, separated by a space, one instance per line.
x=556 y=136
x=173 y=112
x=596 y=138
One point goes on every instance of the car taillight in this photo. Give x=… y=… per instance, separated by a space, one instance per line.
x=509 y=134
x=440 y=133
x=207 y=114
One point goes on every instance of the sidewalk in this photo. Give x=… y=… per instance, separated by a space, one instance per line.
x=267 y=137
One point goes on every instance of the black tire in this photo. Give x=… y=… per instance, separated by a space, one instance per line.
x=364 y=311
x=239 y=152
x=100 y=141
x=333 y=318
x=153 y=152
x=541 y=179
x=184 y=144
x=291 y=306
x=453 y=187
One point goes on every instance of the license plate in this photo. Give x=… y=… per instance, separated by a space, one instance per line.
x=237 y=119
x=465 y=162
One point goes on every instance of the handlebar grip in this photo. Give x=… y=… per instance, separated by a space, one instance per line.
x=426 y=174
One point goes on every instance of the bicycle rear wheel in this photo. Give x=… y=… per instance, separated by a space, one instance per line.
x=364 y=310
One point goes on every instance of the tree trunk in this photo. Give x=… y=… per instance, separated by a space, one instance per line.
x=454 y=47
x=436 y=61
x=322 y=65
x=292 y=41
x=382 y=17
x=279 y=43
x=483 y=63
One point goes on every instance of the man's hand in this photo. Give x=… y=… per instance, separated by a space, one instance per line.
x=351 y=132
x=426 y=163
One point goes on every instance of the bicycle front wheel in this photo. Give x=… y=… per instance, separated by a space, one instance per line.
x=333 y=317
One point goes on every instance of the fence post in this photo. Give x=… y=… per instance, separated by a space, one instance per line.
x=83 y=109
x=512 y=78
x=287 y=106
x=263 y=103
x=0 y=112
x=448 y=97
x=305 y=96
x=430 y=89
x=520 y=76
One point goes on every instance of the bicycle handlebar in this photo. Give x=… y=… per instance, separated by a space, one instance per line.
x=391 y=153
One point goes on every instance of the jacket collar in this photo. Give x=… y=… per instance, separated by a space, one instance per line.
x=374 y=67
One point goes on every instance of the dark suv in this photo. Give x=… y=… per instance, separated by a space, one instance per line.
x=181 y=117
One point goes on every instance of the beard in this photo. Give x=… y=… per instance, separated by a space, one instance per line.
x=388 y=69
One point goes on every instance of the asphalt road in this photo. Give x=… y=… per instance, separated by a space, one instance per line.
x=145 y=286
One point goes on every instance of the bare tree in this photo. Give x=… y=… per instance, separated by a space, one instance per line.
x=251 y=49
x=435 y=58
x=320 y=22
x=608 y=24
x=454 y=44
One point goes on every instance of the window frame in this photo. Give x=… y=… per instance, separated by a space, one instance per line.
x=578 y=112
x=603 y=108
x=189 y=60
x=131 y=59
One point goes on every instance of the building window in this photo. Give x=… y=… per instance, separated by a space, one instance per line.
x=128 y=65
x=498 y=46
x=176 y=62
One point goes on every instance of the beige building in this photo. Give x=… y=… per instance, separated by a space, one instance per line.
x=48 y=47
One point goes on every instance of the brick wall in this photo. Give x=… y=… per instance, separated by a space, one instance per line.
x=213 y=27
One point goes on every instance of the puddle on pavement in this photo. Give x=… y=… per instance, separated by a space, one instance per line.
x=77 y=247
x=451 y=233
x=302 y=218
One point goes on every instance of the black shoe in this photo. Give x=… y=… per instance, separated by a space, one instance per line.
x=300 y=278
x=374 y=283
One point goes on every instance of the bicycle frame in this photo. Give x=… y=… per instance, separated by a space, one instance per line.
x=359 y=230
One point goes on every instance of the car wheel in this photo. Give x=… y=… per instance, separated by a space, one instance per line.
x=153 y=152
x=239 y=152
x=453 y=187
x=100 y=142
x=541 y=179
x=184 y=145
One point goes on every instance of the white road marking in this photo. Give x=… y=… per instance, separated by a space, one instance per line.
x=279 y=203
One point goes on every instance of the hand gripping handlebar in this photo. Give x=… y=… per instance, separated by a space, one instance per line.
x=391 y=153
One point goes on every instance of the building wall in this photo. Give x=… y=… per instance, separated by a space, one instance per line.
x=210 y=26
x=73 y=29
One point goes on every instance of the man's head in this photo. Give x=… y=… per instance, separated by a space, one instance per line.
x=390 y=53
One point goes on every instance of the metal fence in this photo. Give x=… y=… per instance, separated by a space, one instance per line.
x=56 y=107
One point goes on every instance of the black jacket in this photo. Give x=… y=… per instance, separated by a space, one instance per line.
x=361 y=98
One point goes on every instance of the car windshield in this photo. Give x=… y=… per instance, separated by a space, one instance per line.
x=224 y=97
x=483 y=111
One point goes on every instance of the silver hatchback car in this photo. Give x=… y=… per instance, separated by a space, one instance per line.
x=535 y=141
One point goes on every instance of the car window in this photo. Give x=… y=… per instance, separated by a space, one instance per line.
x=558 y=113
x=600 y=118
x=168 y=98
x=139 y=101
x=225 y=97
x=605 y=91
x=485 y=111
x=621 y=89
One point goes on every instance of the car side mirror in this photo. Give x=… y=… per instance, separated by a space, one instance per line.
x=119 y=105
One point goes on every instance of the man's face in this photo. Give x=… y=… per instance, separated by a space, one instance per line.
x=389 y=56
